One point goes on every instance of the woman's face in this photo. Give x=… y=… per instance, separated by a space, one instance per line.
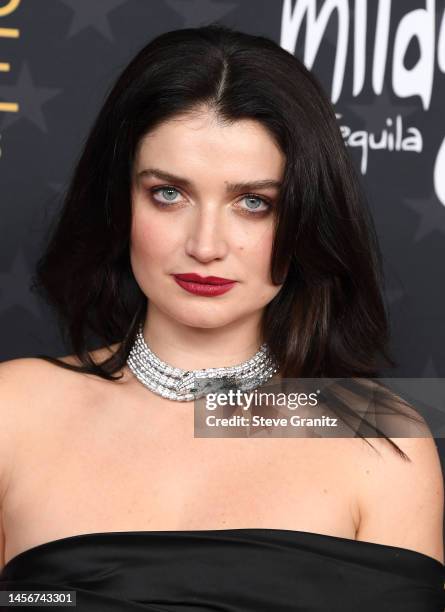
x=191 y=214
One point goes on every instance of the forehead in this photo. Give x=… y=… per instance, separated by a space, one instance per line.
x=196 y=142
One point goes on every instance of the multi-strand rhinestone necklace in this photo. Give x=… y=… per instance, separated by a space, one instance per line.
x=187 y=385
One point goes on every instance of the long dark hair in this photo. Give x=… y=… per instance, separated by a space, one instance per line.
x=329 y=318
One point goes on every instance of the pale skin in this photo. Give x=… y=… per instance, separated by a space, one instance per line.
x=83 y=455
x=206 y=231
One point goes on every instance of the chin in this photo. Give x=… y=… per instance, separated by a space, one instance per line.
x=202 y=319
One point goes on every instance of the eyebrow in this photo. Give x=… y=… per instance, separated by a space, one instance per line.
x=230 y=187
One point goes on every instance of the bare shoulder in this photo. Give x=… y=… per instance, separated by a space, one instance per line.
x=17 y=377
x=22 y=381
x=29 y=379
x=22 y=369
x=29 y=385
x=401 y=502
x=39 y=402
x=25 y=384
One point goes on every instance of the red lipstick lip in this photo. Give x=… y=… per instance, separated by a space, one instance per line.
x=204 y=280
x=204 y=289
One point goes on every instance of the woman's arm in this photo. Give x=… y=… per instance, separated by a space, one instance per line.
x=402 y=503
x=19 y=379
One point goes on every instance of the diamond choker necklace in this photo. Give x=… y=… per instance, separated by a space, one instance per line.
x=186 y=385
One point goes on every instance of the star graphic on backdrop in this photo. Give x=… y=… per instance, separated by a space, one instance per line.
x=91 y=13
x=431 y=215
x=196 y=12
x=15 y=287
x=29 y=97
x=382 y=106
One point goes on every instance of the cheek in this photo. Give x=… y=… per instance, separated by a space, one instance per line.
x=150 y=240
x=257 y=254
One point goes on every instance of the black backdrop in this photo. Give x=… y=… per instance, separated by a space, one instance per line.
x=381 y=61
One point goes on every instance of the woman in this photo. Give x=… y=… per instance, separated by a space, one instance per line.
x=216 y=154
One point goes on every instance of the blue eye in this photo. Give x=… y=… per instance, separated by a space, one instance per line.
x=169 y=193
x=168 y=190
x=258 y=202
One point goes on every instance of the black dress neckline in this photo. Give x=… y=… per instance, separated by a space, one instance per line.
x=228 y=570
x=406 y=553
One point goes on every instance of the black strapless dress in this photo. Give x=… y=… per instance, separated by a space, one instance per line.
x=228 y=570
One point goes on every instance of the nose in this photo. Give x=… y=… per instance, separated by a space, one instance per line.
x=206 y=234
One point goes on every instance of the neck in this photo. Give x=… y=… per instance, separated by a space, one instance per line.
x=194 y=348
